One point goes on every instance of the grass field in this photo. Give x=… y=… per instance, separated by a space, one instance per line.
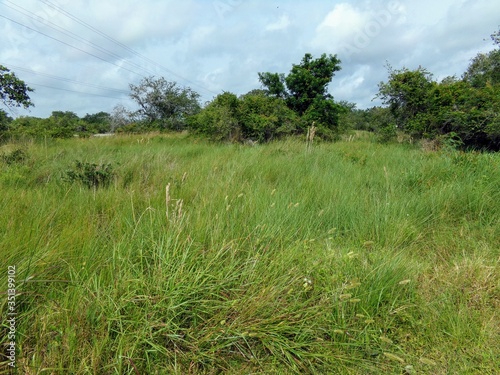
x=345 y=258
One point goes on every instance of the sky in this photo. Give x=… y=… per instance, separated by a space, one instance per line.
x=82 y=55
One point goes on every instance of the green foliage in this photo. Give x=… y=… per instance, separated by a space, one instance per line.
x=288 y=105
x=97 y=123
x=370 y=119
x=324 y=114
x=353 y=258
x=13 y=91
x=275 y=84
x=15 y=157
x=219 y=119
x=484 y=69
x=305 y=90
x=164 y=103
x=468 y=112
x=91 y=175
x=263 y=118
x=5 y=120
x=407 y=93
x=308 y=81
x=253 y=116
x=425 y=108
x=60 y=124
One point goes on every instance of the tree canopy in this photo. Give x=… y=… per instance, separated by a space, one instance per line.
x=253 y=116
x=306 y=83
x=484 y=69
x=13 y=91
x=465 y=111
x=305 y=91
x=164 y=102
x=406 y=93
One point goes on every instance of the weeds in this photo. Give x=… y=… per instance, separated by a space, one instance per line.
x=15 y=157
x=90 y=175
x=357 y=258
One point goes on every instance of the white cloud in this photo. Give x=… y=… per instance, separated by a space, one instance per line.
x=342 y=22
x=192 y=43
x=282 y=24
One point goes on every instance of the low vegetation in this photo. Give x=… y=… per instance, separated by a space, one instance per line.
x=352 y=257
x=460 y=113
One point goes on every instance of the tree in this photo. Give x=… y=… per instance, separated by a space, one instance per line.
x=449 y=110
x=63 y=124
x=219 y=119
x=98 y=122
x=407 y=93
x=495 y=37
x=120 y=117
x=164 y=103
x=463 y=112
x=13 y=91
x=305 y=83
x=469 y=114
x=263 y=118
x=305 y=90
x=308 y=81
x=275 y=84
x=484 y=69
x=5 y=120
x=253 y=116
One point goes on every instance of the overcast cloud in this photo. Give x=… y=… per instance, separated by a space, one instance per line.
x=81 y=55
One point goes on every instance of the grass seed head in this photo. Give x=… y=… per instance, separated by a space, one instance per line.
x=394 y=357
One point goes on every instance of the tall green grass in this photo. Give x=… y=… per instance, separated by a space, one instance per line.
x=351 y=258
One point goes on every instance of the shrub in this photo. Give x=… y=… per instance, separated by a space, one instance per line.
x=16 y=156
x=90 y=175
x=219 y=119
x=252 y=116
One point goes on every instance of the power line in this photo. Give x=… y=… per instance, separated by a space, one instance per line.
x=74 y=91
x=127 y=48
x=76 y=37
x=63 y=79
x=70 y=34
x=69 y=45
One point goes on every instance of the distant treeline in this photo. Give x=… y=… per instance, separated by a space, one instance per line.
x=455 y=112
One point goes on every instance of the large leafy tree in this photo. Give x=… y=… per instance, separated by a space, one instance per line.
x=306 y=82
x=484 y=69
x=164 y=103
x=468 y=113
x=407 y=93
x=305 y=89
x=13 y=91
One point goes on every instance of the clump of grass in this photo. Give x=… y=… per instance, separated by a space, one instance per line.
x=14 y=157
x=353 y=258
